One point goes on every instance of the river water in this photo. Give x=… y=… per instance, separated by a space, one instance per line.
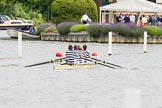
x=100 y=87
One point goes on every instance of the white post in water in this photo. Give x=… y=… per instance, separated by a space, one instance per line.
x=19 y=44
x=132 y=98
x=145 y=42
x=110 y=43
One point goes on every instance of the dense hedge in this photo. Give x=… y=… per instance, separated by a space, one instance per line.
x=96 y=29
x=132 y=30
x=78 y=28
x=46 y=27
x=129 y=30
x=72 y=10
x=153 y=30
x=64 y=27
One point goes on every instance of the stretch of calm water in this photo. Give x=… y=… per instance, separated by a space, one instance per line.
x=100 y=87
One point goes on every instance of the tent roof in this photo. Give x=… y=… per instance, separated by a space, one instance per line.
x=134 y=6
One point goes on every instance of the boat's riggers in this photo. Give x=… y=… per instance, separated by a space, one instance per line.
x=100 y=63
x=106 y=62
x=49 y=61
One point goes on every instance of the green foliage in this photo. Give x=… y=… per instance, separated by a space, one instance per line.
x=60 y=10
x=104 y=29
x=37 y=18
x=153 y=30
x=72 y=10
x=18 y=11
x=131 y=30
x=93 y=30
x=64 y=27
x=78 y=28
x=46 y=27
x=96 y=30
x=50 y=29
x=24 y=9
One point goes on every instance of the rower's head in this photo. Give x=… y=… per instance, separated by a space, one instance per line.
x=75 y=47
x=79 y=47
x=84 y=47
x=70 y=47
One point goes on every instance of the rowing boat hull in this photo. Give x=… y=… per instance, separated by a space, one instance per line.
x=81 y=66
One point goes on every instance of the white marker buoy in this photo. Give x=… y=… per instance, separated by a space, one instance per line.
x=132 y=98
x=145 y=42
x=110 y=43
x=19 y=44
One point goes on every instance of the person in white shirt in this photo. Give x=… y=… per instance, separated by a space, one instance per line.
x=85 y=19
x=144 y=19
x=132 y=18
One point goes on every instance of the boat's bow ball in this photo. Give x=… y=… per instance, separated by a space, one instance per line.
x=58 y=54
x=94 y=54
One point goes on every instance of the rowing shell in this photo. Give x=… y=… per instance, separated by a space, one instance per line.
x=80 y=66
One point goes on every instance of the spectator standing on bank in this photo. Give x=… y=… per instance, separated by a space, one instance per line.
x=118 y=18
x=140 y=24
x=126 y=19
x=154 y=21
x=144 y=20
x=132 y=18
x=85 y=19
x=150 y=20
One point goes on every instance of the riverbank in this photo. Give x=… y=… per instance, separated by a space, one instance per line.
x=84 y=37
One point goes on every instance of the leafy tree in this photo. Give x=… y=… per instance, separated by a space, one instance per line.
x=59 y=11
x=37 y=6
x=24 y=9
x=72 y=10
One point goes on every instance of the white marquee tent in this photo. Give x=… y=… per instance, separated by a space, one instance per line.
x=132 y=6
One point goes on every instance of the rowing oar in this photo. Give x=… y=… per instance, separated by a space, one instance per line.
x=99 y=63
x=49 y=61
x=106 y=62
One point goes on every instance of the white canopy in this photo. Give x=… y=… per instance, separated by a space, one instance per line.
x=132 y=6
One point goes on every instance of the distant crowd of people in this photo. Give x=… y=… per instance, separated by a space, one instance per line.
x=77 y=54
x=155 y=20
x=127 y=18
